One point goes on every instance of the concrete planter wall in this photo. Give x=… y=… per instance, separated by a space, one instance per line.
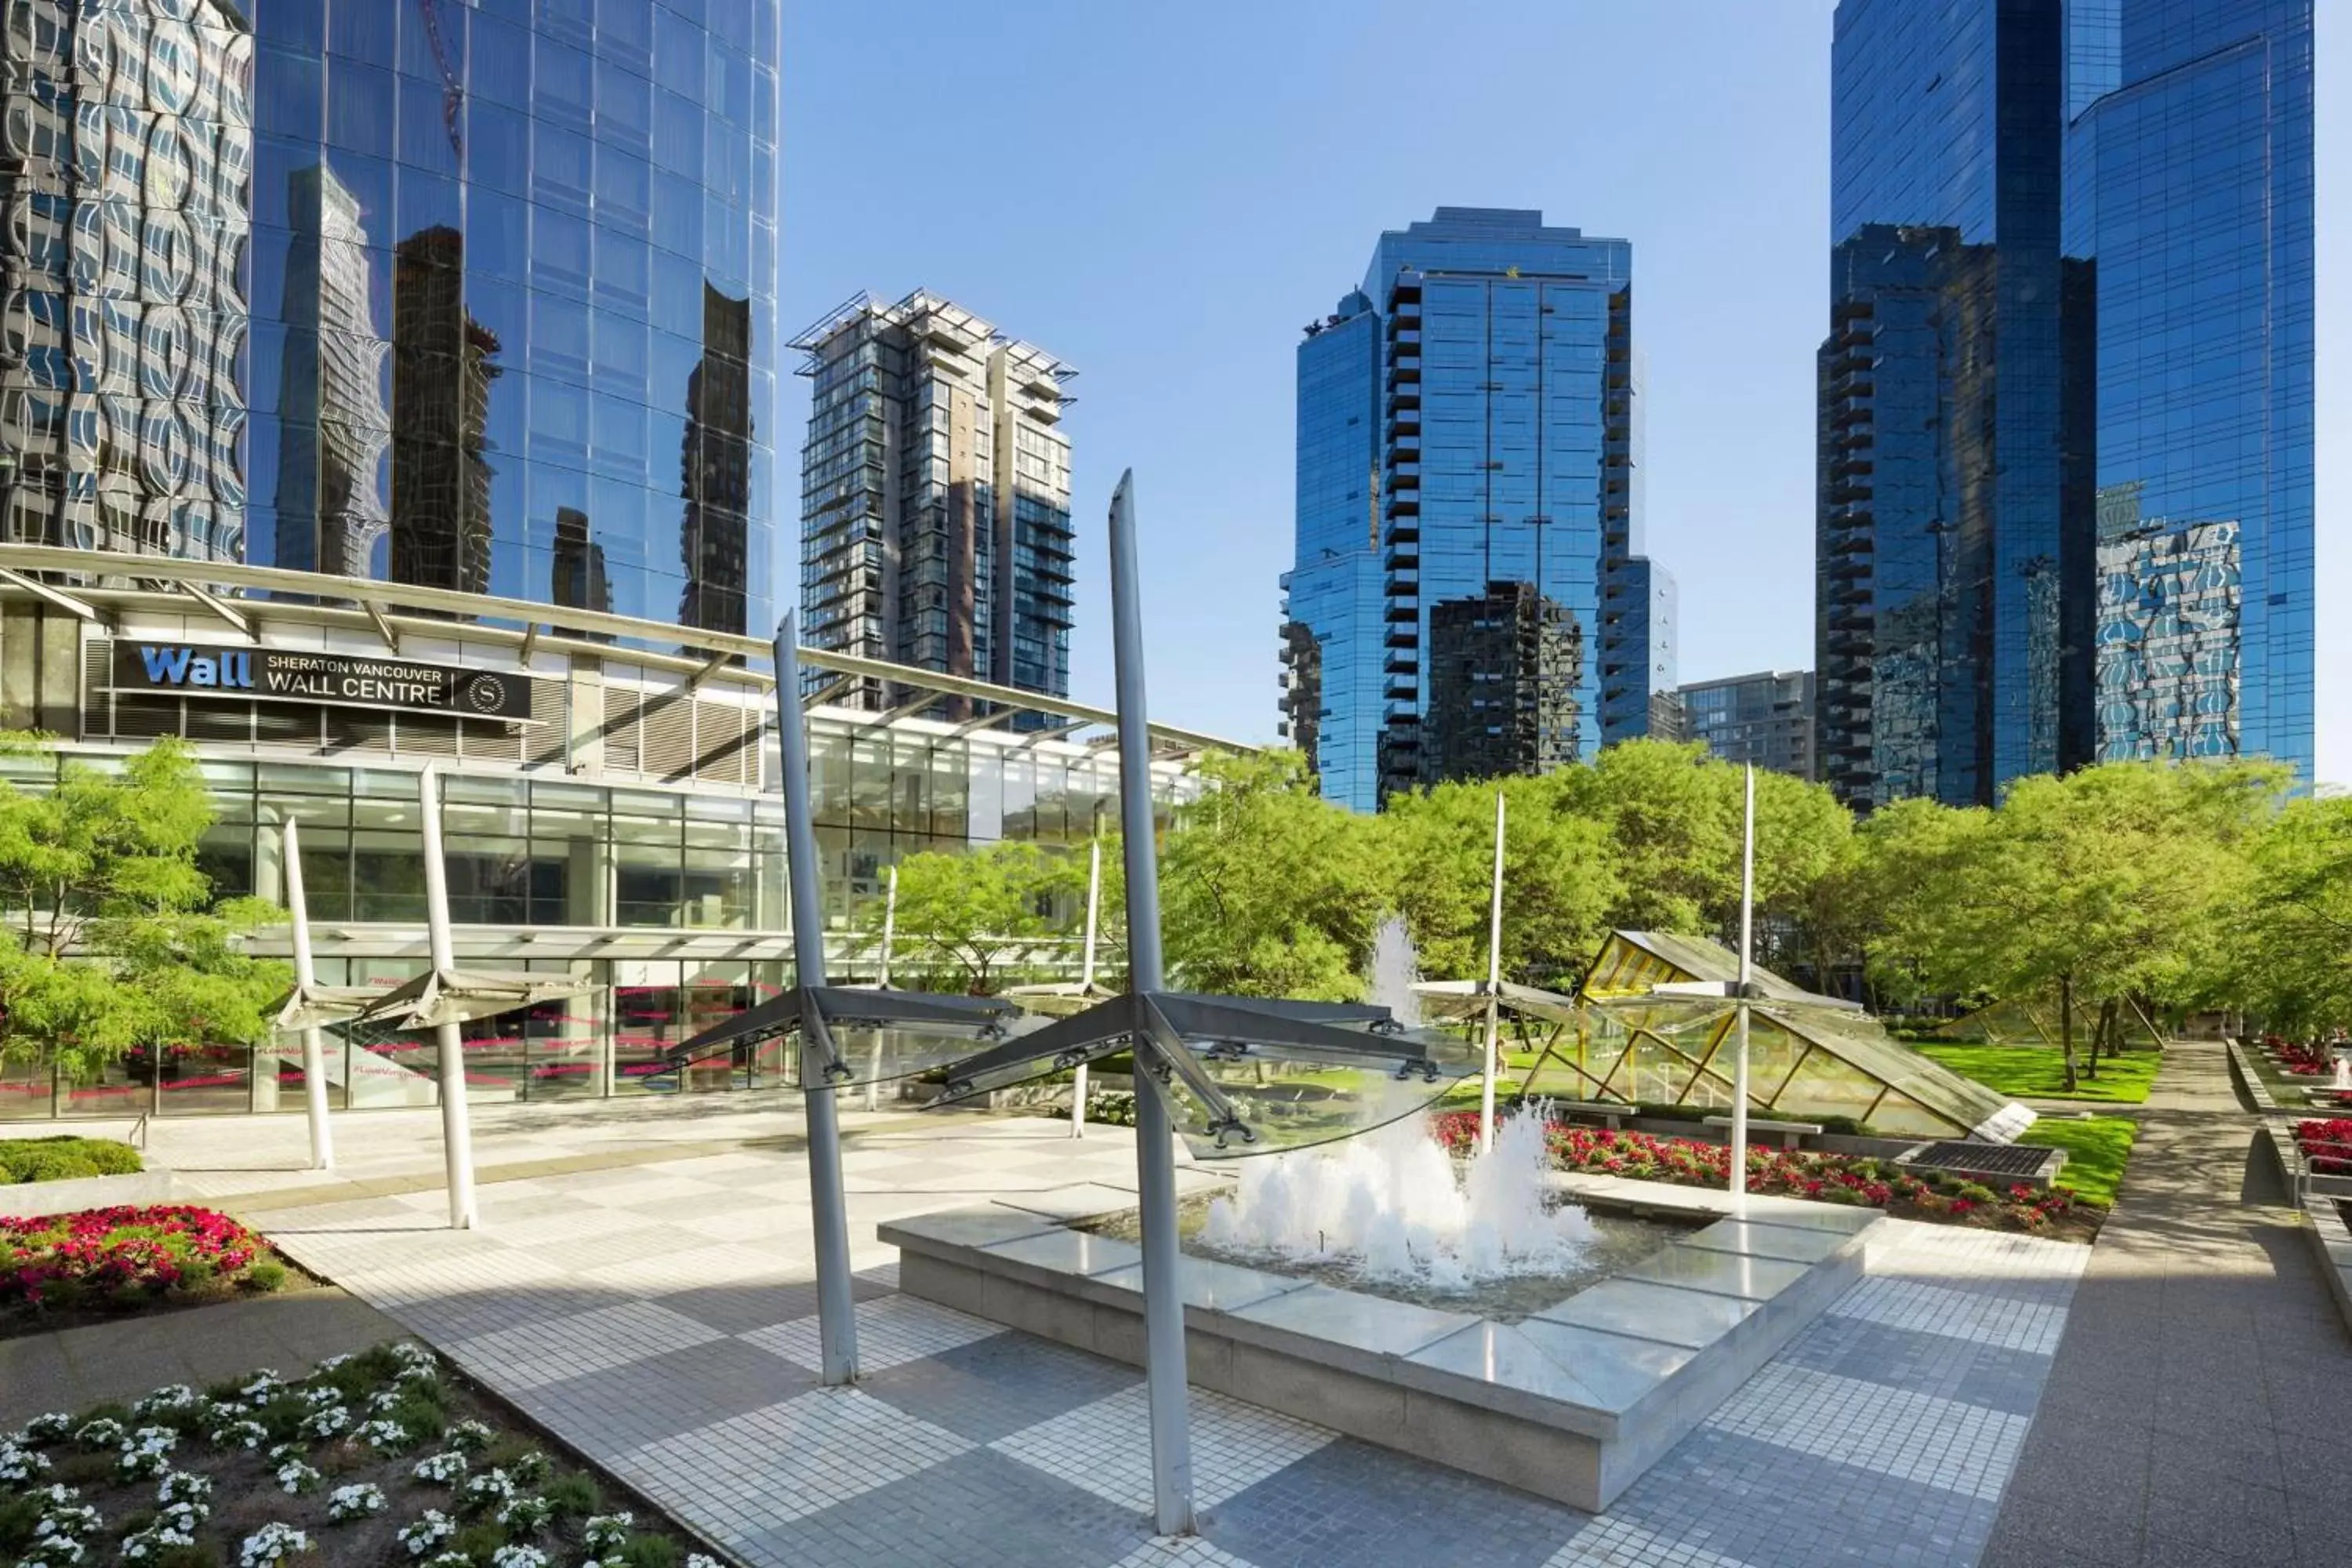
x=31 y=1199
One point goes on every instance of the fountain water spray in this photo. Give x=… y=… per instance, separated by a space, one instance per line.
x=1390 y=1202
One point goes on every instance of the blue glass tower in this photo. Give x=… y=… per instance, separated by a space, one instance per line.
x=2188 y=222
x=2065 y=447
x=1467 y=595
x=1944 y=662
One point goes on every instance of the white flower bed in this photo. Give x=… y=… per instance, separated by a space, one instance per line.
x=322 y=1448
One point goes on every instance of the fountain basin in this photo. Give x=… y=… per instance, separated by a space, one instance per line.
x=1571 y=1403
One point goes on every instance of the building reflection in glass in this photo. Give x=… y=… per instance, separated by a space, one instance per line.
x=429 y=274
x=122 y=408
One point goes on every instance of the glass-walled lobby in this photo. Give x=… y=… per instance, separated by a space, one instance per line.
x=671 y=901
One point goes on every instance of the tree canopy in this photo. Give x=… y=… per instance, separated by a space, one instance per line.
x=114 y=941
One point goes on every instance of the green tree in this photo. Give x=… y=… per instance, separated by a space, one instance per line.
x=1559 y=879
x=1266 y=888
x=2103 y=887
x=112 y=941
x=2287 y=949
x=973 y=915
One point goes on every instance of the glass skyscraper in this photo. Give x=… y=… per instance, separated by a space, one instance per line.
x=935 y=497
x=1468 y=595
x=2064 y=438
x=463 y=295
x=2188 y=222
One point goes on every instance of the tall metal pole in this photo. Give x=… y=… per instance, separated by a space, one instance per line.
x=828 y=1210
x=882 y=982
x=1086 y=980
x=456 y=1134
x=1740 y=1017
x=306 y=977
x=1494 y=986
x=1155 y=1154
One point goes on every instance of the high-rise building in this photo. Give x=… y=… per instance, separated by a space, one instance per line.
x=383 y=290
x=2064 y=444
x=935 y=496
x=2189 y=237
x=1766 y=719
x=1468 y=436
x=1944 y=667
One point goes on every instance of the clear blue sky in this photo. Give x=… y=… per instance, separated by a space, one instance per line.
x=1163 y=196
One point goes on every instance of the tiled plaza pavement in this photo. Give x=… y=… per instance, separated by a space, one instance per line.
x=659 y=1317
x=2195 y=1414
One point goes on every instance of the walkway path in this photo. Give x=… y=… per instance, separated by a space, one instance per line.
x=76 y=1368
x=2196 y=1411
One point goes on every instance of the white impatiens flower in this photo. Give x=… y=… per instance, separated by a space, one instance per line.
x=266 y=1385
x=294 y=1476
x=449 y=1560
x=491 y=1488
x=47 y=1428
x=518 y=1557
x=701 y=1560
x=428 y=1533
x=103 y=1433
x=64 y=1517
x=440 y=1470
x=384 y=1437
x=607 y=1532
x=383 y=1400
x=237 y=1435
x=147 y=1452
x=332 y=1363
x=324 y=1422
x=272 y=1543
x=524 y=1515
x=21 y=1464
x=45 y=1549
x=183 y=1486
x=469 y=1437
x=172 y=1397
x=355 y=1501
x=319 y=1398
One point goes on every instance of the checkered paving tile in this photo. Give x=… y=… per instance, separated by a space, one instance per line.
x=663 y=1320
x=1106 y=1446
x=889 y=1332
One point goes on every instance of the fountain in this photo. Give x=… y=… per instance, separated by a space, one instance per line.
x=1390 y=1204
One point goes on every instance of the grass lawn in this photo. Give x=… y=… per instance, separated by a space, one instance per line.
x=2039 y=1072
x=2096 y=1149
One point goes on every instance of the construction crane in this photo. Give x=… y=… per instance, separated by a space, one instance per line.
x=453 y=91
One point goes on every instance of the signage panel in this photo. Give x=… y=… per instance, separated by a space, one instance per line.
x=336 y=680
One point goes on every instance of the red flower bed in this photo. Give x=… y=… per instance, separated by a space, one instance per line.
x=2301 y=1058
x=1826 y=1178
x=125 y=1254
x=2326 y=1144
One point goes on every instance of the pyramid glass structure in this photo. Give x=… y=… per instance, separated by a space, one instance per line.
x=1806 y=1061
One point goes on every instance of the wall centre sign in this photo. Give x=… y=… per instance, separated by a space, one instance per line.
x=297 y=675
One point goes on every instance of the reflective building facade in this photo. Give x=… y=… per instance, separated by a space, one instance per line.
x=1468 y=427
x=1945 y=665
x=2189 y=226
x=401 y=290
x=935 y=496
x=2064 y=506
x=1766 y=719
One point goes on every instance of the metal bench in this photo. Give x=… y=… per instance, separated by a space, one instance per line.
x=1789 y=1132
x=1611 y=1112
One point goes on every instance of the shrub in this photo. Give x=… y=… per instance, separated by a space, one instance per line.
x=65 y=1158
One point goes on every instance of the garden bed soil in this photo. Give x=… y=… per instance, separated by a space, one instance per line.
x=18 y=1320
x=246 y=1494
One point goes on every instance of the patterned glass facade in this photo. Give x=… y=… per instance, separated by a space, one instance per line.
x=2066 y=397
x=1467 y=418
x=2190 y=217
x=477 y=296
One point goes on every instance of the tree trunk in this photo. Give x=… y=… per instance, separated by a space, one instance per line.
x=2103 y=1034
x=2066 y=1029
